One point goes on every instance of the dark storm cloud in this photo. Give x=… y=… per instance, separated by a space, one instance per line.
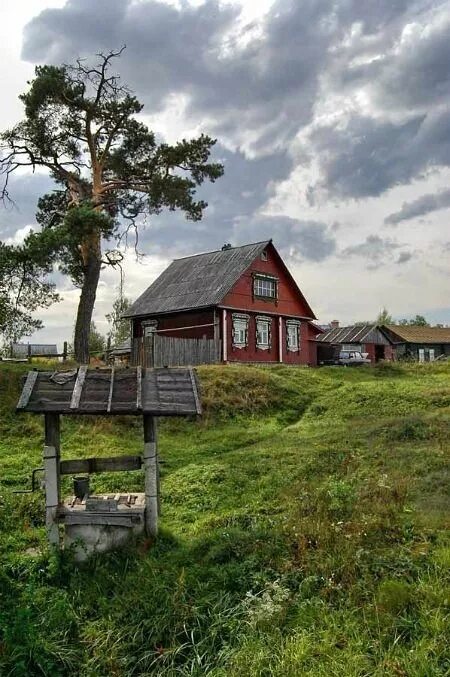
x=232 y=215
x=418 y=74
x=24 y=191
x=269 y=84
x=375 y=249
x=365 y=156
x=295 y=238
x=258 y=93
x=404 y=257
x=420 y=207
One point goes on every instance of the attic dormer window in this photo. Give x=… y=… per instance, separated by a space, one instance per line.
x=265 y=286
x=264 y=256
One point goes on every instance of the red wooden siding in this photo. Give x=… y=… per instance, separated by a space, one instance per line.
x=289 y=301
x=251 y=353
x=194 y=319
x=371 y=348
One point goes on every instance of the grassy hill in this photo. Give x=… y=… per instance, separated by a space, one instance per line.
x=304 y=532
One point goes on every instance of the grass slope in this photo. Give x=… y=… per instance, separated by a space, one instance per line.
x=303 y=533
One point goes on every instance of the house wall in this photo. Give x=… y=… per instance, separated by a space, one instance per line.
x=251 y=353
x=411 y=350
x=289 y=302
x=369 y=348
x=192 y=319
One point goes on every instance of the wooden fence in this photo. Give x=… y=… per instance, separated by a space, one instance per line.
x=168 y=351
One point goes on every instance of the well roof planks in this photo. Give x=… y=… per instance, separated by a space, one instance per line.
x=158 y=392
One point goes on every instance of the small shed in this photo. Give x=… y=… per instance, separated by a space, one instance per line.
x=121 y=353
x=365 y=338
x=139 y=392
x=424 y=344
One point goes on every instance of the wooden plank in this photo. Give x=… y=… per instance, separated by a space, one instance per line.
x=93 y=465
x=27 y=389
x=76 y=395
x=198 y=405
x=45 y=385
x=52 y=476
x=139 y=387
x=111 y=387
x=111 y=519
x=151 y=466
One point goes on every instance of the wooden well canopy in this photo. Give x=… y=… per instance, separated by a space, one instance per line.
x=157 y=392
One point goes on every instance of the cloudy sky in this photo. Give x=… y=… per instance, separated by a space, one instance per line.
x=333 y=123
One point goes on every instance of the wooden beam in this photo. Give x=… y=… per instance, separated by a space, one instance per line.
x=107 y=519
x=138 y=387
x=280 y=339
x=198 y=405
x=27 y=389
x=150 y=458
x=224 y=335
x=93 y=465
x=111 y=387
x=52 y=476
x=76 y=395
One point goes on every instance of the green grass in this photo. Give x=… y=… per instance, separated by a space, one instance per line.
x=304 y=532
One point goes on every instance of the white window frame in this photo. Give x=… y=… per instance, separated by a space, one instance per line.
x=431 y=354
x=421 y=354
x=265 y=286
x=149 y=327
x=293 y=332
x=240 y=330
x=352 y=347
x=263 y=332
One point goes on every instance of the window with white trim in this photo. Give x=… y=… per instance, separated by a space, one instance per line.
x=293 y=335
x=265 y=286
x=149 y=327
x=263 y=332
x=240 y=330
x=352 y=346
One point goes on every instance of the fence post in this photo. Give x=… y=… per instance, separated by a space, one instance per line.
x=29 y=353
x=151 y=469
x=52 y=476
x=65 y=351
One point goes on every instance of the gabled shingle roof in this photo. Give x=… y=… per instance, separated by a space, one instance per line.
x=196 y=281
x=413 y=334
x=365 y=333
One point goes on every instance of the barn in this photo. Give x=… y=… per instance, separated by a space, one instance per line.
x=243 y=299
x=424 y=344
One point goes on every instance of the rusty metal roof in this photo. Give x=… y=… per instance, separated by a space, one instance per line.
x=160 y=392
x=412 y=334
x=365 y=333
x=196 y=281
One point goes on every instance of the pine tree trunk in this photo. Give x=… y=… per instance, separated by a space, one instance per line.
x=86 y=307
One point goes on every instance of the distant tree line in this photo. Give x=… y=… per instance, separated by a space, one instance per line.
x=384 y=317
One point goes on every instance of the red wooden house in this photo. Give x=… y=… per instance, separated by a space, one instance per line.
x=244 y=296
